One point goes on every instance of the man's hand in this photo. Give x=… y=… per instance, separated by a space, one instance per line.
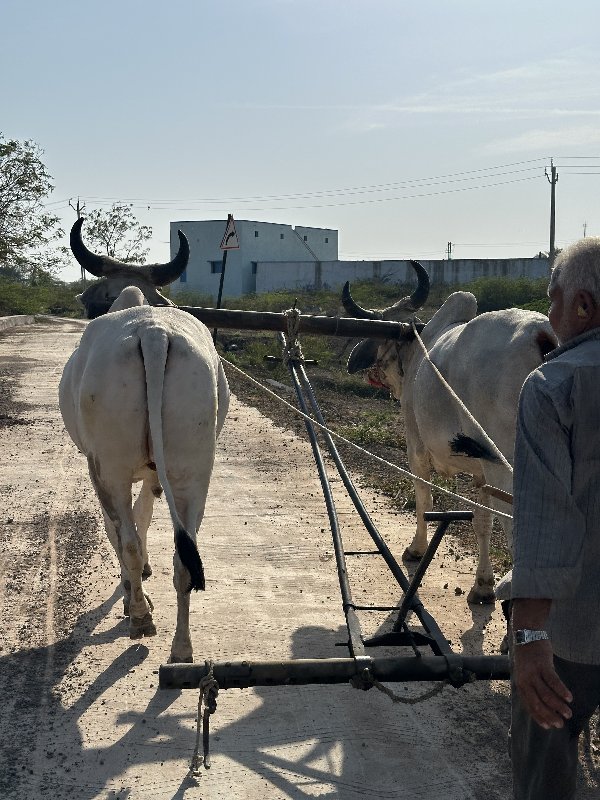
x=542 y=692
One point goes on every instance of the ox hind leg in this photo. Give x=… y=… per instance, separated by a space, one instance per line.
x=423 y=502
x=142 y=514
x=482 y=590
x=115 y=500
x=191 y=512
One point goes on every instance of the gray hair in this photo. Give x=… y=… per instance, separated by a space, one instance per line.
x=578 y=269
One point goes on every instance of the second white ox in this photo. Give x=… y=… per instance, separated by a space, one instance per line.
x=144 y=397
x=485 y=359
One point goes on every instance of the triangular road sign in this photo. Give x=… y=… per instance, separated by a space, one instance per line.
x=230 y=239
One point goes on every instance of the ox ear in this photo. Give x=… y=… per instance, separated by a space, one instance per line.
x=363 y=356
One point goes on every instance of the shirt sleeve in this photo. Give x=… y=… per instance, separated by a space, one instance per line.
x=548 y=528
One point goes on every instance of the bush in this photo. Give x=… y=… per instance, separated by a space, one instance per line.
x=494 y=294
x=50 y=298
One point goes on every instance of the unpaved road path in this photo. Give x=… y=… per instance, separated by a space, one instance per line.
x=81 y=715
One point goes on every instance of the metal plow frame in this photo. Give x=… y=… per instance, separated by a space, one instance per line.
x=361 y=670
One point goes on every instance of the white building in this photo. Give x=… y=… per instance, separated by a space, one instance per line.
x=259 y=241
x=273 y=256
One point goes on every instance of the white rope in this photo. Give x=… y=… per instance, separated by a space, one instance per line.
x=292 y=350
x=457 y=399
x=404 y=472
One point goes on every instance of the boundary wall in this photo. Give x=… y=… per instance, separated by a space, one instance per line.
x=274 y=275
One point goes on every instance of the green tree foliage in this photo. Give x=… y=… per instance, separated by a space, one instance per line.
x=117 y=233
x=27 y=231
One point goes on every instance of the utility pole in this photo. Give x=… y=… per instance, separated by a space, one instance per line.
x=449 y=251
x=584 y=229
x=552 y=180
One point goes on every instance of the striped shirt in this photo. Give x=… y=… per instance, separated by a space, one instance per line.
x=556 y=514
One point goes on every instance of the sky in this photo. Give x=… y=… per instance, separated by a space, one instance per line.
x=404 y=125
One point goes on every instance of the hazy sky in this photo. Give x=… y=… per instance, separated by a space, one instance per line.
x=403 y=125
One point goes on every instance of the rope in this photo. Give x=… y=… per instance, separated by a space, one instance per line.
x=292 y=350
x=207 y=705
x=459 y=402
x=360 y=449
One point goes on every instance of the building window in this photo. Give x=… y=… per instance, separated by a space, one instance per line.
x=254 y=267
x=306 y=238
x=216 y=267
x=256 y=234
x=281 y=235
x=327 y=240
x=183 y=276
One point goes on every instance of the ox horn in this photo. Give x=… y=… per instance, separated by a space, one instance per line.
x=354 y=309
x=163 y=274
x=99 y=266
x=102 y=266
x=416 y=300
x=421 y=293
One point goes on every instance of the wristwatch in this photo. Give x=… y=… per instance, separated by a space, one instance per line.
x=525 y=636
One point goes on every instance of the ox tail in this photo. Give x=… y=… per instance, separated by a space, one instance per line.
x=154 y=344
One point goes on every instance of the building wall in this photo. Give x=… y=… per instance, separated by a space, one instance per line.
x=274 y=275
x=258 y=241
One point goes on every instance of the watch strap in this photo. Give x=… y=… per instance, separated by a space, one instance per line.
x=526 y=636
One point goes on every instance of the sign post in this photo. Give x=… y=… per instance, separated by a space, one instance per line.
x=228 y=242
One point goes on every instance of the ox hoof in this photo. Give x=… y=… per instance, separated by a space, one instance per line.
x=481 y=596
x=141 y=626
x=408 y=555
x=147 y=571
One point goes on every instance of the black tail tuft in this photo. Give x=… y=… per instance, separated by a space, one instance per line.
x=466 y=446
x=190 y=558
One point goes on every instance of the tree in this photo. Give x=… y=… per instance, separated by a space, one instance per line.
x=27 y=230
x=118 y=233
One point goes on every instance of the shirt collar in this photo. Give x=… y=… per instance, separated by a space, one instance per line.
x=583 y=337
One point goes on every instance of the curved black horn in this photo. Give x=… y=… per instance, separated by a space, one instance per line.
x=163 y=274
x=353 y=308
x=421 y=293
x=99 y=266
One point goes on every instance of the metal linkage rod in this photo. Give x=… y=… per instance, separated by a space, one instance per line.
x=444 y=518
x=243 y=674
x=440 y=643
x=352 y=620
x=347 y=327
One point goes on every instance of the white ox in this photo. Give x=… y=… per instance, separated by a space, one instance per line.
x=144 y=397
x=485 y=359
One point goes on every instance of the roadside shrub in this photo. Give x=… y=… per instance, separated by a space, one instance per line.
x=51 y=298
x=538 y=305
x=189 y=298
x=494 y=294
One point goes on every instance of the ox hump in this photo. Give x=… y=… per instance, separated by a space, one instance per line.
x=130 y=297
x=459 y=308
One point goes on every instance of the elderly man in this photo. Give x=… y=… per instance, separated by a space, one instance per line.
x=556 y=575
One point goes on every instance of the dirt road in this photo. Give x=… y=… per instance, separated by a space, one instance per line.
x=81 y=715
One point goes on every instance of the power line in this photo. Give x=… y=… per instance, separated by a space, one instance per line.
x=456 y=176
